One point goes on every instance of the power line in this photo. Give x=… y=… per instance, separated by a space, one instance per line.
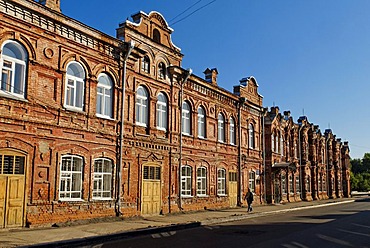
x=185 y=11
x=193 y=12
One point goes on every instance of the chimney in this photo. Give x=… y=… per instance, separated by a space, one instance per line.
x=287 y=114
x=211 y=75
x=51 y=4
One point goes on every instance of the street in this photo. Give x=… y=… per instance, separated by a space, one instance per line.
x=344 y=225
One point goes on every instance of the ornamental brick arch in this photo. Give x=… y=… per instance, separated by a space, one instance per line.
x=110 y=71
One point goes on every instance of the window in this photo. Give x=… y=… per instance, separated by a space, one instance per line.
x=186 y=119
x=297 y=185
x=232 y=131
x=252 y=181
x=104 y=101
x=13 y=63
x=145 y=64
x=103 y=169
x=70 y=187
x=295 y=150
x=156 y=36
x=201 y=123
x=320 y=183
x=233 y=177
x=283 y=184
x=162 y=112
x=142 y=106
x=201 y=181
x=277 y=143
x=221 y=182
x=251 y=136
x=291 y=185
x=186 y=180
x=324 y=185
x=308 y=185
x=273 y=142
x=161 y=71
x=152 y=173
x=288 y=152
x=11 y=164
x=74 y=95
x=281 y=145
x=221 y=128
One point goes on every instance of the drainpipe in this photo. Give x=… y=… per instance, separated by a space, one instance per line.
x=327 y=165
x=240 y=105
x=130 y=47
x=264 y=154
x=187 y=75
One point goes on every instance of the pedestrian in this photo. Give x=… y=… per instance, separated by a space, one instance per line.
x=249 y=199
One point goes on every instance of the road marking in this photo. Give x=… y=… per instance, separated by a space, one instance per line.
x=360 y=225
x=357 y=233
x=163 y=235
x=334 y=240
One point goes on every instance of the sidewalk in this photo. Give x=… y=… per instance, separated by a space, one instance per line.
x=115 y=228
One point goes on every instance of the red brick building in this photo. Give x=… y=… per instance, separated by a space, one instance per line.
x=95 y=126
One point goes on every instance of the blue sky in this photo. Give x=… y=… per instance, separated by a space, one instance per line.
x=310 y=57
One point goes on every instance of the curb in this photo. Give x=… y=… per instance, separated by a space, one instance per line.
x=115 y=236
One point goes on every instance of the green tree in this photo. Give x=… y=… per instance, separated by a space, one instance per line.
x=360 y=173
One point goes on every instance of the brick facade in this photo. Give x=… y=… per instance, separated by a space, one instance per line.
x=72 y=145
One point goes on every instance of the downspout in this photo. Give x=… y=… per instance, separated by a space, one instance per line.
x=264 y=154
x=240 y=104
x=187 y=75
x=327 y=166
x=130 y=47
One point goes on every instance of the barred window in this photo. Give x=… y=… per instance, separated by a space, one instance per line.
x=152 y=173
x=12 y=164
x=233 y=177
x=252 y=181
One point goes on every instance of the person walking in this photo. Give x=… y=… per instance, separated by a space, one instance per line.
x=249 y=199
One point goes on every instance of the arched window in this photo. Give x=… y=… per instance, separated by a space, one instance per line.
x=161 y=71
x=201 y=181
x=103 y=176
x=142 y=108
x=232 y=131
x=273 y=142
x=251 y=136
x=291 y=184
x=145 y=64
x=221 y=128
x=70 y=184
x=277 y=143
x=162 y=112
x=13 y=62
x=75 y=86
x=186 y=180
x=221 y=182
x=156 y=36
x=201 y=122
x=104 y=101
x=281 y=145
x=283 y=183
x=186 y=119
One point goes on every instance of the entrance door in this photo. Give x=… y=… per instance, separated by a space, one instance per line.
x=233 y=189
x=12 y=181
x=151 y=190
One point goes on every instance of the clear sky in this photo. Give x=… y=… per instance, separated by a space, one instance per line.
x=311 y=57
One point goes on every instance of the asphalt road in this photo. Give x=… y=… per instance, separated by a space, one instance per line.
x=344 y=225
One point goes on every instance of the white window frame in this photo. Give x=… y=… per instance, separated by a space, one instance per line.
x=221 y=182
x=283 y=183
x=162 y=112
x=186 y=119
x=13 y=71
x=70 y=181
x=232 y=131
x=251 y=139
x=291 y=184
x=186 y=181
x=142 y=106
x=297 y=185
x=273 y=142
x=202 y=181
x=104 y=96
x=252 y=181
x=281 y=145
x=74 y=100
x=201 y=123
x=103 y=180
x=221 y=128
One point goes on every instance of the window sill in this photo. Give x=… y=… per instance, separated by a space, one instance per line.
x=221 y=195
x=71 y=200
x=77 y=110
x=12 y=96
x=187 y=196
x=141 y=124
x=105 y=117
x=202 y=196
